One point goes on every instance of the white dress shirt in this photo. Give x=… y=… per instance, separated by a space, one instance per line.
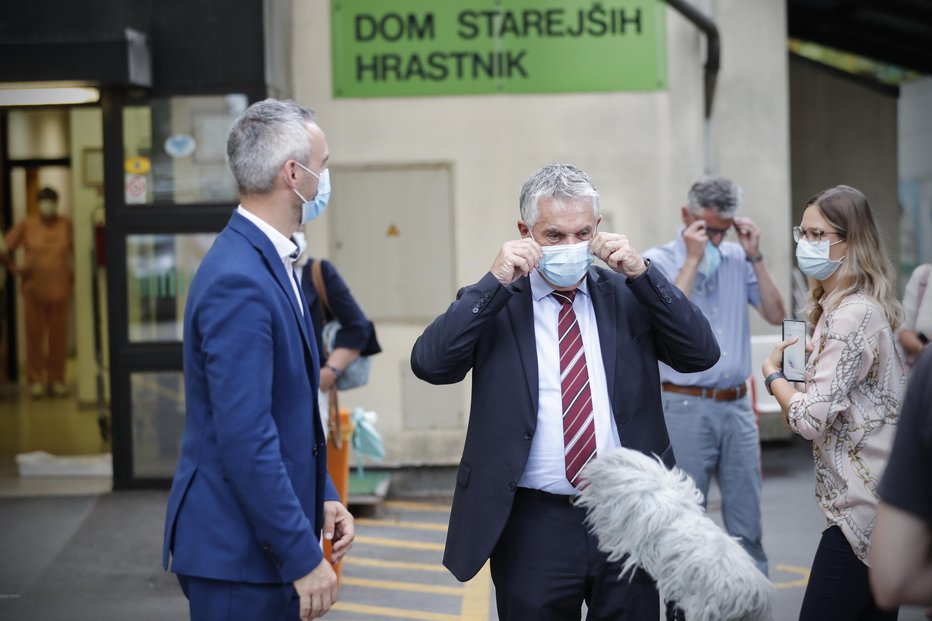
x=285 y=248
x=546 y=466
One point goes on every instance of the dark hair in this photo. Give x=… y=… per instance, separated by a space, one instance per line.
x=47 y=194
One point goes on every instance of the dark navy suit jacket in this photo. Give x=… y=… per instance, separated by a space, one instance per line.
x=246 y=502
x=356 y=332
x=489 y=330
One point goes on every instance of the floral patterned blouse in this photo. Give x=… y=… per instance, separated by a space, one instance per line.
x=855 y=379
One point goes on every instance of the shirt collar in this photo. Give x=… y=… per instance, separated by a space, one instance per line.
x=285 y=248
x=679 y=244
x=828 y=300
x=540 y=288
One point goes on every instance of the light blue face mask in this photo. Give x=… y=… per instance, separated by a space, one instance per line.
x=813 y=259
x=711 y=260
x=565 y=265
x=313 y=208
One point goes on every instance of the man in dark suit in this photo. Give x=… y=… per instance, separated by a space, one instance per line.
x=564 y=366
x=251 y=493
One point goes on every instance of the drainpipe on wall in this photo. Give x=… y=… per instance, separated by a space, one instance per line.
x=712 y=63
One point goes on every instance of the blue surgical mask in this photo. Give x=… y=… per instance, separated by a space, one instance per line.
x=313 y=208
x=565 y=265
x=711 y=260
x=813 y=259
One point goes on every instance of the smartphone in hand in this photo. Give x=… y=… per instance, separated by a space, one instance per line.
x=794 y=356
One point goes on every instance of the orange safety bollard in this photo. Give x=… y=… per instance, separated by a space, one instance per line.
x=338 y=467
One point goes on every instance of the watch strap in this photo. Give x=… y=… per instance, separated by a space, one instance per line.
x=770 y=378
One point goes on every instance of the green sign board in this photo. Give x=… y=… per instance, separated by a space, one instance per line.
x=401 y=48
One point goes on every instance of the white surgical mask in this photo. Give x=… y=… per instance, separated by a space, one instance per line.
x=813 y=259
x=47 y=208
x=313 y=208
x=565 y=265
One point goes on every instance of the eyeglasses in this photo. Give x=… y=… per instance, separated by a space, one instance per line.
x=711 y=231
x=813 y=236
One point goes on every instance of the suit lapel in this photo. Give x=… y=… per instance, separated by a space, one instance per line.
x=603 y=304
x=521 y=313
x=274 y=263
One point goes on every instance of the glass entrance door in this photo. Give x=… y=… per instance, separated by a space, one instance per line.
x=173 y=195
x=159 y=270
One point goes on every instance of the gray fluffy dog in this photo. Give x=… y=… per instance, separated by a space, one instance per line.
x=653 y=516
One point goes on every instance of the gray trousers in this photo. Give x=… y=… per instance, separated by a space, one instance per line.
x=720 y=438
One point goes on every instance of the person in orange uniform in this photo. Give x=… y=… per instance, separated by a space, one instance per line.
x=47 y=282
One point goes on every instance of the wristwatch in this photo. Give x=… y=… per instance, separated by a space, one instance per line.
x=755 y=259
x=769 y=380
x=336 y=371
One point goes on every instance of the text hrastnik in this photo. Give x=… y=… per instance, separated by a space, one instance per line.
x=438 y=65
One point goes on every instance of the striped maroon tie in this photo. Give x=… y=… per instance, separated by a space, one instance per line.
x=578 y=423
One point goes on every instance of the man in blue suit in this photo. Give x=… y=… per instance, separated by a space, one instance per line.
x=251 y=494
x=564 y=366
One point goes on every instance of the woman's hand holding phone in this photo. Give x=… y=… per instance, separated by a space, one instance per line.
x=794 y=350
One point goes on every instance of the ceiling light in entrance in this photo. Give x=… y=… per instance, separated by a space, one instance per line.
x=48 y=96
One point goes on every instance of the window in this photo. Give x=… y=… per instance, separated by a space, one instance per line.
x=159 y=270
x=175 y=150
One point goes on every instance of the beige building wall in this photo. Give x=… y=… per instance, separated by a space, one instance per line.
x=844 y=131
x=914 y=160
x=642 y=150
x=751 y=127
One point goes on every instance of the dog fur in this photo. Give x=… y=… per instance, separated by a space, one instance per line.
x=646 y=515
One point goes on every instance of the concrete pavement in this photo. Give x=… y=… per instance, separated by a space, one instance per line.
x=96 y=557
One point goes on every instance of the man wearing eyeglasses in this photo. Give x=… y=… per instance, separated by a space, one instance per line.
x=708 y=414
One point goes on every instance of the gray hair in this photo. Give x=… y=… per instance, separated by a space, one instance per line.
x=718 y=193
x=263 y=138
x=555 y=180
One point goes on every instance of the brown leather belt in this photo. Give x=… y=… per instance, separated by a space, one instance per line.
x=718 y=394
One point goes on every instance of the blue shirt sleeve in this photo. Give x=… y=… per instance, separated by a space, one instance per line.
x=753 y=285
x=663 y=259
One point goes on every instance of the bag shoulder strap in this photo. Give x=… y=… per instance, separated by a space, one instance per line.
x=317 y=277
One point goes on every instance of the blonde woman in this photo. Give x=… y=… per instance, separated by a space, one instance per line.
x=854 y=383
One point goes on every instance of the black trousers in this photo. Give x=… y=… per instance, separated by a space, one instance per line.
x=838 y=586
x=547 y=564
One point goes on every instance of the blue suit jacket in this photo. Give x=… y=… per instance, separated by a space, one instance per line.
x=246 y=502
x=489 y=330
